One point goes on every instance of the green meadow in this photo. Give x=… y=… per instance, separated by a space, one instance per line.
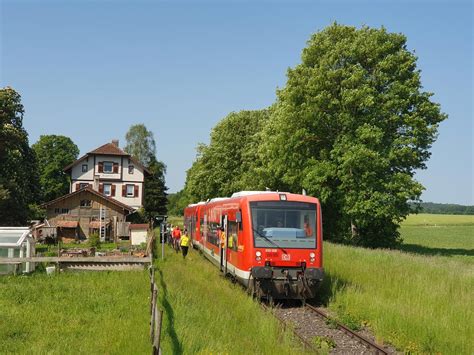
x=75 y=313
x=418 y=298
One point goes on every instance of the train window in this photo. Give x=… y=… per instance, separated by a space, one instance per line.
x=284 y=224
x=213 y=233
x=233 y=235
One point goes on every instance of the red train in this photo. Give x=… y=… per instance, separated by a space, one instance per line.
x=272 y=241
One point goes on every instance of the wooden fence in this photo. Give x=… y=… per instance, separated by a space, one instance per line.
x=156 y=315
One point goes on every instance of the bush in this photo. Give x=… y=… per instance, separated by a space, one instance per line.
x=94 y=240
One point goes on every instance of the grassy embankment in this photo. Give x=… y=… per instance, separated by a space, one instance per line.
x=417 y=301
x=207 y=314
x=80 y=313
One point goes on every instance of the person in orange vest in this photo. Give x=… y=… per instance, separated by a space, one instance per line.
x=176 y=238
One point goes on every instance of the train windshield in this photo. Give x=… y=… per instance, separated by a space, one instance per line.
x=285 y=224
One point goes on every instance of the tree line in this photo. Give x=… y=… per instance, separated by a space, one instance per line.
x=30 y=176
x=444 y=208
x=351 y=126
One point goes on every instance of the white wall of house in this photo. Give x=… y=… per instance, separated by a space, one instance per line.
x=120 y=194
x=138 y=236
x=137 y=175
x=123 y=177
x=78 y=174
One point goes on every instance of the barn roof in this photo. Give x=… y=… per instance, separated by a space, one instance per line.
x=94 y=192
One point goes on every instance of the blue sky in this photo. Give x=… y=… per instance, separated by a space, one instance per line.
x=90 y=69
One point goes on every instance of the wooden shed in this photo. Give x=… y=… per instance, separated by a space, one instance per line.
x=86 y=211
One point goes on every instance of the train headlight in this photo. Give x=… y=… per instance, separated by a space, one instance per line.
x=312 y=256
x=258 y=255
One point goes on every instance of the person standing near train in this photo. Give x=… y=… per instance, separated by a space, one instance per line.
x=184 y=243
x=176 y=238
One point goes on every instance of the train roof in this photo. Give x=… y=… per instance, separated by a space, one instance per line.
x=252 y=195
x=249 y=193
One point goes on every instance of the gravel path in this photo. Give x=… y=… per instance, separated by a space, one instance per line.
x=309 y=325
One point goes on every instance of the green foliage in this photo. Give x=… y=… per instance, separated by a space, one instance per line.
x=446 y=208
x=324 y=343
x=351 y=126
x=230 y=162
x=53 y=154
x=94 y=240
x=155 y=200
x=18 y=179
x=140 y=143
x=177 y=202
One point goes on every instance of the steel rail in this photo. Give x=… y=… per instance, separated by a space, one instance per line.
x=370 y=344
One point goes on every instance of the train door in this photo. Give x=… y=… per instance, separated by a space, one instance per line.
x=223 y=244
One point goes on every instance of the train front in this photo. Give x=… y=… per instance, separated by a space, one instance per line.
x=287 y=246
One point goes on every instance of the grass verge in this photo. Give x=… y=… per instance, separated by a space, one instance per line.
x=420 y=304
x=205 y=313
x=80 y=313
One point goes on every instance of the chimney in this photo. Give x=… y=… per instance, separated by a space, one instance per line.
x=115 y=142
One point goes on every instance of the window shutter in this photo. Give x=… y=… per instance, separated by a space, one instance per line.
x=101 y=167
x=115 y=168
x=101 y=188
x=78 y=186
x=113 y=190
x=124 y=190
x=89 y=185
x=136 y=190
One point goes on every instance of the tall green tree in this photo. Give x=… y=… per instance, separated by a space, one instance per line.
x=53 y=153
x=140 y=143
x=18 y=176
x=351 y=126
x=230 y=162
x=155 y=199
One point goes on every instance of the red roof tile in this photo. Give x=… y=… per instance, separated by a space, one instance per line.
x=108 y=149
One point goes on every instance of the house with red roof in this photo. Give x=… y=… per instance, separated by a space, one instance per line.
x=110 y=171
x=106 y=186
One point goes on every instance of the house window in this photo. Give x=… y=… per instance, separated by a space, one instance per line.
x=107 y=189
x=130 y=169
x=86 y=203
x=84 y=168
x=130 y=190
x=108 y=167
x=83 y=185
x=65 y=210
x=56 y=210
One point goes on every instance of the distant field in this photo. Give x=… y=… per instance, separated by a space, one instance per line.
x=442 y=235
x=80 y=313
x=425 y=219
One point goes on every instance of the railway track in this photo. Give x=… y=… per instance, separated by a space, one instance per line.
x=361 y=339
x=367 y=346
